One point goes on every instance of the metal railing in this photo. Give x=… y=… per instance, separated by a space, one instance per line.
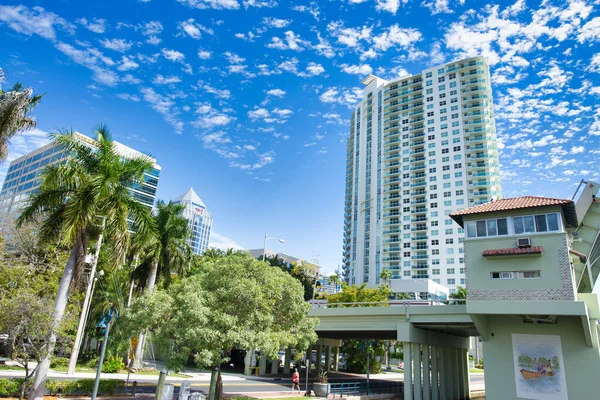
x=363 y=388
x=391 y=303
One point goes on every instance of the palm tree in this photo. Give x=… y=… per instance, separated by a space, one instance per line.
x=74 y=197
x=385 y=275
x=15 y=107
x=334 y=280
x=167 y=252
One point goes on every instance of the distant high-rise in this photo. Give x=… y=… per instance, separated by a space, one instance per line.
x=24 y=175
x=200 y=220
x=419 y=148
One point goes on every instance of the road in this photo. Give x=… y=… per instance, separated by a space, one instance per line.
x=237 y=383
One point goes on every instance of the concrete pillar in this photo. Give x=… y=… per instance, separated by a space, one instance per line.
x=442 y=372
x=456 y=373
x=287 y=361
x=328 y=359
x=417 y=371
x=426 y=372
x=461 y=373
x=467 y=374
x=318 y=360
x=408 y=390
x=262 y=364
x=247 y=361
x=275 y=366
x=435 y=366
x=448 y=373
x=336 y=356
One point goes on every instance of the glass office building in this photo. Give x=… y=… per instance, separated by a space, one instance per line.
x=24 y=176
x=200 y=220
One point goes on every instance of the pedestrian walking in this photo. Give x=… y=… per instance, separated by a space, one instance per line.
x=295 y=380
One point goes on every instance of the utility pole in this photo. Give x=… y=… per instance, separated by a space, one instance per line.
x=86 y=305
x=107 y=320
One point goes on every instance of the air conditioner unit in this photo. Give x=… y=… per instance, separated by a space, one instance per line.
x=523 y=242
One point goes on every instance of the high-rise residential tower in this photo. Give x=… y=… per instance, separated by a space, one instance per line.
x=200 y=221
x=420 y=148
x=24 y=175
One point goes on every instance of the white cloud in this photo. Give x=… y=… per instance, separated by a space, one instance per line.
x=396 y=37
x=364 y=69
x=220 y=93
x=193 y=29
x=350 y=37
x=590 y=31
x=276 y=92
x=313 y=69
x=151 y=28
x=216 y=4
x=258 y=113
x=92 y=59
x=204 y=54
x=210 y=118
x=389 y=5
x=127 y=96
x=222 y=242
x=127 y=64
x=165 y=106
x=276 y=22
x=290 y=42
x=347 y=97
x=33 y=21
x=165 y=80
x=173 y=55
x=120 y=45
x=97 y=25
x=577 y=149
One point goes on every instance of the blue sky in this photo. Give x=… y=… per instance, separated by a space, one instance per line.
x=248 y=101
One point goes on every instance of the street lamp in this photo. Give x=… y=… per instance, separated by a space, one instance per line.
x=265 y=245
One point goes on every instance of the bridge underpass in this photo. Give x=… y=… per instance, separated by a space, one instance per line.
x=435 y=340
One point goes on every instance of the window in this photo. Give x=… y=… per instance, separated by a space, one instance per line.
x=435 y=252
x=435 y=271
x=435 y=242
x=502 y=275
x=430 y=91
x=450 y=271
x=428 y=74
x=529 y=274
x=490 y=227
x=451 y=281
x=537 y=223
x=441 y=79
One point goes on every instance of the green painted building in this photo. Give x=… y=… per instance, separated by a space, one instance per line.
x=531 y=274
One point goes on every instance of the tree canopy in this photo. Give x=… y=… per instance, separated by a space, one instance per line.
x=233 y=301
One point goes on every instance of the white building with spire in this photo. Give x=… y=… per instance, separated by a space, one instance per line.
x=200 y=220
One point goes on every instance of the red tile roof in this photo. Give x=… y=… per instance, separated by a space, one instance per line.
x=513 y=251
x=517 y=203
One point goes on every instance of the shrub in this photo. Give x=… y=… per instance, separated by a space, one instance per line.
x=10 y=387
x=113 y=365
x=479 y=366
x=59 y=362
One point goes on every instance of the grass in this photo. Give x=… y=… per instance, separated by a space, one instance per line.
x=79 y=368
x=154 y=372
x=475 y=370
x=11 y=368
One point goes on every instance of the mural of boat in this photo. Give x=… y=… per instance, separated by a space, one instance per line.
x=535 y=375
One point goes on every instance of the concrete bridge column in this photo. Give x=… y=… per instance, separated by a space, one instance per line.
x=417 y=371
x=275 y=366
x=408 y=388
x=247 y=362
x=461 y=373
x=426 y=373
x=328 y=359
x=448 y=374
x=336 y=356
x=466 y=374
x=456 y=373
x=262 y=364
x=287 y=361
x=318 y=360
x=435 y=389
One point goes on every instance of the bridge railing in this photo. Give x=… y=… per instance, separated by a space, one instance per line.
x=363 y=388
x=389 y=303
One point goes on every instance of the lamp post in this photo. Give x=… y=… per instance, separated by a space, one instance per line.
x=86 y=305
x=265 y=244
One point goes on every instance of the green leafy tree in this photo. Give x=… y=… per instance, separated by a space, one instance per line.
x=461 y=293
x=356 y=350
x=386 y=276
x=232 y=302
x=167 y=251
x=16 y=105
x=297 y=272
x=92 y=184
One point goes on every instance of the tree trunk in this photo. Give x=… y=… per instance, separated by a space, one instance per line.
x=139 y=347
x=60 y=305
x=215 y=375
